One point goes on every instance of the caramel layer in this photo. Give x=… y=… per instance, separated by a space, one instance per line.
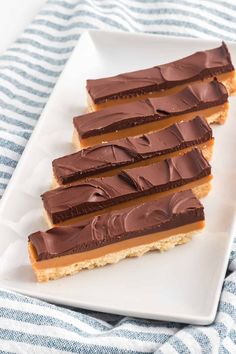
x=228 y=79
x=113 y=248
x=200 y=188
x=215 y=114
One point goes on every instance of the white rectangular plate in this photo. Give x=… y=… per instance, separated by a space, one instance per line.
x=183 y=284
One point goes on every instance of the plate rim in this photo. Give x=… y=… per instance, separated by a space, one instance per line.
x=192 y=319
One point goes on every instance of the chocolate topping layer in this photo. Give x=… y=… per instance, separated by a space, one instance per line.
x=95 y=194
x=191 y=99
x=176 y=210
x=104 y=157
x=198 y=66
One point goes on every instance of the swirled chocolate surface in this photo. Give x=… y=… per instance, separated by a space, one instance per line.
x=198 y=66
x=95 y=194
x=118 y=153
x=193 y=98
x=169 y=212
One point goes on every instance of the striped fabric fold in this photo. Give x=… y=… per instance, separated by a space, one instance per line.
x=28 y=72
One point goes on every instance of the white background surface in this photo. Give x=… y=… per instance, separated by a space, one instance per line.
x=15 y=15
x=182 y=284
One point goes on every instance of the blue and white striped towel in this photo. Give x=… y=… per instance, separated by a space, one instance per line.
x=28 y=72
